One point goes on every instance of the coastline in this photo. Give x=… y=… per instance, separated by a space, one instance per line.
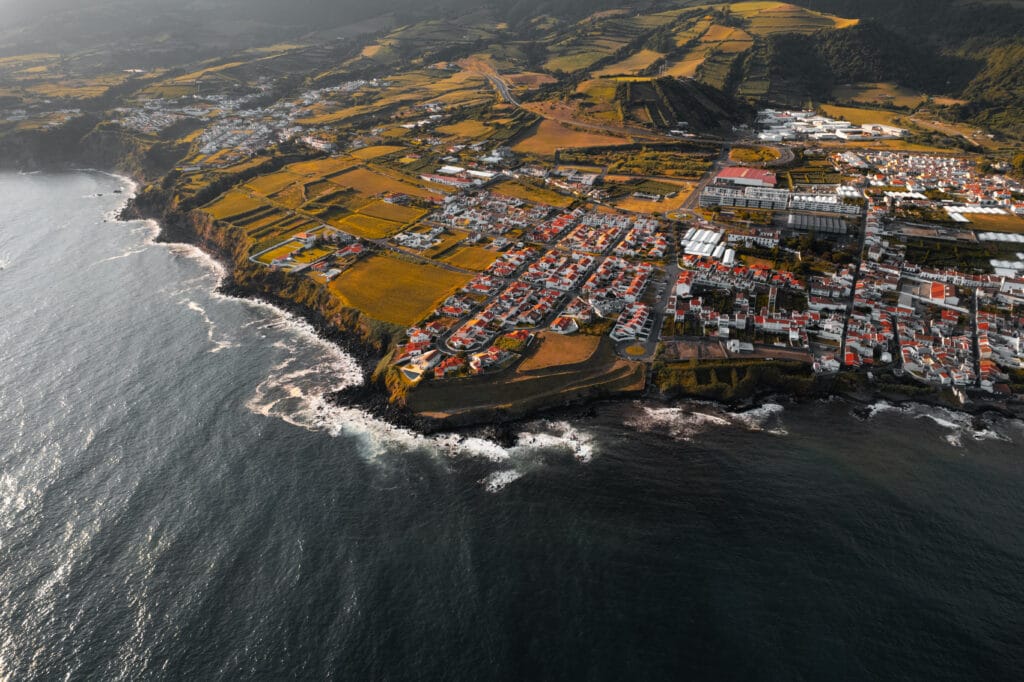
x=372 y=396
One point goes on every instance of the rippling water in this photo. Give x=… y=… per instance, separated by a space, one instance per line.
x=178 y=501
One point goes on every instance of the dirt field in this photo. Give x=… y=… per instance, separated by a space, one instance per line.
x=556 y=350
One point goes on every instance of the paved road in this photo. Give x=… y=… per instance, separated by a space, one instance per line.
x=503 y=89
x=721 y=162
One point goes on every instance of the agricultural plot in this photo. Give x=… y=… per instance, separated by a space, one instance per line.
x=448 y=241
x=469 y=129
x=537 y=195
x=632 y=65
x=884 y=94
x=392 y=212
x=233 y=203
x=322 y=167
x=375 y=152
x=272 y=183
x=471 y=258
x=767 y=18
x=996 y=223
x=859 y=116
x=370 y=184
x=603 y=35
x=396 y=291
x=368 y=227
x=551 y=135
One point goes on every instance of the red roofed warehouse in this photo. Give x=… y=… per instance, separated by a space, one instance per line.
x=747 y=177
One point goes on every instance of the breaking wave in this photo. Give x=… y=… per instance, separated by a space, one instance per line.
x=687 y=422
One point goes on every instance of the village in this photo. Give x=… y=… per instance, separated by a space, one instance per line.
x=648 y=285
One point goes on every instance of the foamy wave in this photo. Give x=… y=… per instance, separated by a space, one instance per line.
x=219 y=344
x=759 y=418
x=295 y=392
x=127 y=254
x=685 y=423
x=196 y=254
x=882 y=407
x=499 y=480
x=961 y=424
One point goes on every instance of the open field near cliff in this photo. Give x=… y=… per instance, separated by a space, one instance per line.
x=393 y=290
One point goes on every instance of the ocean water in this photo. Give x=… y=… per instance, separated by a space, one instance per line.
x=177 y=501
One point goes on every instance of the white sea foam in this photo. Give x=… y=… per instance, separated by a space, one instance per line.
x=219 y=342
x=759 y=418
x=127 y=254
x=685 y=423
x=499 y=480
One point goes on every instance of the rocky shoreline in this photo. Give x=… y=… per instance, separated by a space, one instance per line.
x=372 y=396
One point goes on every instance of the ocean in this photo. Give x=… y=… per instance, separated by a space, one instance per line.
x=178 y=501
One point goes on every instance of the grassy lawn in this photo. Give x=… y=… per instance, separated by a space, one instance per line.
x=396 y=291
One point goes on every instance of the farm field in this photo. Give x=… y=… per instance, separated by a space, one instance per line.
x=859 y=116
x=471 y=258
x=371 y=183
x=539 y=195
x=551 y=135
x=469 y=129
x=234 y=202
x=885 y=94
x=766 y=18
x=631 y=65
x=630 y=203
x=368 y=227
x=996 y=223
x=395 y=291
x=393 y=212
x=323 y=167
x=272 y=183
x=687 y=67
x=370 y=153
